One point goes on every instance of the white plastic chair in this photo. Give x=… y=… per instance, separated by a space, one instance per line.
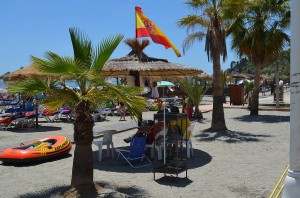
x=188 y=142
x=107 y=140
x=159 y=148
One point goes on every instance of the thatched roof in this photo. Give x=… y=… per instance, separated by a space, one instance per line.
x=239 y=75
x=4 y=75
x=26 y=72
x=205 y=76
x=146 y=66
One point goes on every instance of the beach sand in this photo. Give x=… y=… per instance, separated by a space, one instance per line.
x=246 y=162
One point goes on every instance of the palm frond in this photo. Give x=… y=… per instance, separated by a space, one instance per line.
x=193 y=22
x=57 y=65
x=105 y=50
x=129 y=95
x=190 y=39
x=82 y=47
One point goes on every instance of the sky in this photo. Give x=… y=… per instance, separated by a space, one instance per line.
x=33 y=27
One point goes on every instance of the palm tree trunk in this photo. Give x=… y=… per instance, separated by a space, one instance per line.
x=82 y=173
x=255 y=94
x=198 y=113
x=218 y=119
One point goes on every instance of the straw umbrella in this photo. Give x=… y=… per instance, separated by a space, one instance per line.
x=137 y=64
x=205 y=76
x=23 y=73
x=28 y=72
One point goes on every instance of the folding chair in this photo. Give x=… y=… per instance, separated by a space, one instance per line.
x=107 y=140
x=136 y=152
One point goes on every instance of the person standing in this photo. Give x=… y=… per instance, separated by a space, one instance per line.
x=154 y=90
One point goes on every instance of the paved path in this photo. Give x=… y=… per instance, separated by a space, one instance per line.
x=266 y=103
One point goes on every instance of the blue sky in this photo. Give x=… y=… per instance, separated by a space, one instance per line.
x=33 y=27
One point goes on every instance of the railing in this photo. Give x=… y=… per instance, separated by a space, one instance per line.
x=280 y=185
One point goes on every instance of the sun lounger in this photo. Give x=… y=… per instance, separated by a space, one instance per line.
x=14 y=123
x=101 y=113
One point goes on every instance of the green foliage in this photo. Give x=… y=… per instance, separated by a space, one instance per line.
x=224 y=75
x=85 y=68
x=194 y=91
x=248 y=86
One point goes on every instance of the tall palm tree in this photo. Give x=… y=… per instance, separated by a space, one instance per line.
x=259 y=32
x=85 y=67
x=215 y=46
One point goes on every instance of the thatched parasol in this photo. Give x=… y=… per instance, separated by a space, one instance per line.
x=205 y=76
x=138 y=62
x=27 y=72
x=4 y=75
x=239 y=75
x=24 y=73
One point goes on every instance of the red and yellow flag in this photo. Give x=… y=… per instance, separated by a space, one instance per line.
x=146 y=28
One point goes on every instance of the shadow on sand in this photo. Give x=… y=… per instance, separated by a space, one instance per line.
x=104 y=189
x=173 y=181
x=263 y=118
x=229 y=136
x=199 y=159
x=37 y=162
x=35 y=129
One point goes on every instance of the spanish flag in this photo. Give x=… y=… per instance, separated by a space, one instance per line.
x=146 y=28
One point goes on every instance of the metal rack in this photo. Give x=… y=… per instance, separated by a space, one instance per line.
x=175 y=155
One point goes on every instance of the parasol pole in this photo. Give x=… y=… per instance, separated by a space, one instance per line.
x=164 y=105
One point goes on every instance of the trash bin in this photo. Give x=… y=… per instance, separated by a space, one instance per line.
x=236 y=93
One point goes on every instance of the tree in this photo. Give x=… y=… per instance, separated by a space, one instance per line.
x=85 y=67
x=215 y=46
x=224 y=76
x=259 y=32
x=195 y=92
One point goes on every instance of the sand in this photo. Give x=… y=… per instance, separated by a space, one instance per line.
x=245 y=162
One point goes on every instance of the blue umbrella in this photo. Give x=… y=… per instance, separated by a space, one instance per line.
x=165 y=84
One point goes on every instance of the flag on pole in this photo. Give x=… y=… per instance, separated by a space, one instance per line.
x=146 y=28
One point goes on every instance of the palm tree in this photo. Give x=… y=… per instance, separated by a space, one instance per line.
x=259 y=33
x=224 y=76
x=195 y=93
x=85 y=67
x=215 y=47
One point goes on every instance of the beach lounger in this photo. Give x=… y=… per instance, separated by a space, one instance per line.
x=101 y=113
x=67 y=113
x=15 y=123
